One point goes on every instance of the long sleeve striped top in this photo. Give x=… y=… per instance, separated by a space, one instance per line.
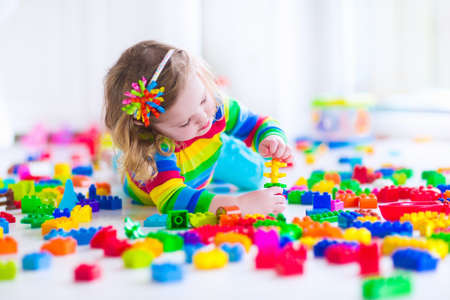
x=183 y=175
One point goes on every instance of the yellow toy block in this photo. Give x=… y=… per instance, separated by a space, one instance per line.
x=62 y=172
x=427 y=222
x=310 y=159
x=254 y=216
x=309 y=241
x=371 y=219
x=81 y=214
x=324 y=186
x=150 y=244
x=392 y=243
x=301 y=181
x=63 y=223
x=1 y=232
x=200 y=219
x=361 y=235
x=274 y=166
x=232 y=237
x=213 y=259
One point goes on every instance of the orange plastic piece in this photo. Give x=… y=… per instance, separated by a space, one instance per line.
x=317 y=229
x=447 y=194
x=150 y=244
x=80 y=181
x=8 y=245
x=63 y=222
x=60 y=246
x=333 y=176
x=367 y=201
x=103 y=188
x=349 y=198
x=228 y=210
x=232 y=237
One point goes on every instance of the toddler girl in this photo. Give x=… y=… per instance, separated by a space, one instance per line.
x=171 y=121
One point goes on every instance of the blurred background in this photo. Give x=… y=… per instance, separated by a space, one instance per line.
x=336 y=70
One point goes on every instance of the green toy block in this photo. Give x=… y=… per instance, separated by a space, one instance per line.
x=45 y=209
x=171 y=242
x=2 y=184
x=30 y=204
x=408 y=172
x=295 y=197
x=36 y=220
x=291 y=230
x=331 y=216
x=281 y=218
x=133 y=229
x=137 y=258
x=270 y=184
x=445 y=236
x=8 y=270
x=22 y=189
x=433 y=178
x=380 y=287
x=350 y=184
x=315 y=177
x=177 y=219
x=399 y=178
x=201 y=219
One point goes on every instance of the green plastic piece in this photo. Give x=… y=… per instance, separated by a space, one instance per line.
x=315 y=177
x=177 y=219
x=333 y=192
x=45 y=209
x=408 y=172
x=381 y=287
x=36 y=219
x=331 y=216
x=40 y=187
x=295 y=197
x=8 y=270
x=22 y=189
x=445 y=236
x=171 y=242
x=137 y=258
x=350 y=184
x=433 y=178
x=270 y=184
x=2 y=184
x=281 y=218
x=399 y=178
x=30 y=203
x=133 y=229
x=201 y=219
x=291 y=230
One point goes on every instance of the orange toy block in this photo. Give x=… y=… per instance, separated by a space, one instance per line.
x=367 y=201
x=317 y=229
x=333 y=176
x=103 y=188
x=80 y=181
x=60 y=246
x=349 y=198
x=8 y=245
x=233 y=237
x=63 y=222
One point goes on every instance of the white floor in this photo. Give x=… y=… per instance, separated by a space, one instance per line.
x=236 y=281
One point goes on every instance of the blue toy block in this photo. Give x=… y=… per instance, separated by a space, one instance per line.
x=55 y=233
x=156 y=220
x=58 y=213
x=322 y=201
x=36 y=261
x=346 y=218
x=352 y=161
x=110 y=202
x=83 y=236
x=310 y=212
x=443 y=187
x=320 y=248
x=92 y=192
x=49 y=182
x=386 y=172
x=382 y=229
x=415 y=260
x=69 y=199
x=308 y=197
x=345 y=175
x=285 y=239
x=234 y=251
x=93 y=203
x=189 y=251
x=5 y=224
x=83 y=170
x=166 y=272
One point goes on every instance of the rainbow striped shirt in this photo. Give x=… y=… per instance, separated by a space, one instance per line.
x=183 y=175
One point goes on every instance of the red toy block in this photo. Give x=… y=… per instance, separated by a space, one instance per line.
x=368 y=201
x=85 y=272
x=388 y=194
x=102 y=236
x=115 y=247
x=8 y=245
x=369 y=259
x=9 y=217
x=288 y=265
x=60 y=246
x=297 y=251
x=266 y=259
x=341 y=254
x=363 y=175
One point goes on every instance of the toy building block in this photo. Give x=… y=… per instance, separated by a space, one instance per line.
x=234 y=251
x=414 y=260
x=69 y=199
x=345 y=219
x=190 y=237
x=213 y=259
x=171 y=242
x=4 y=225
x=190 y=250
x=392 y=243
x=1 y=232
x=274 y=174
x=83 y=170
x=62 y=172
x=233 y=237
x=336 y=205
x=295 y=197
x=93 y=203
x=8 y=217
x=22 y=189
x=99 y=239
x=58 y=213
x=115 y=247
x=364 y=175
x=201 y=219
x=382 y=287
x=156 y=220
x=310 y=212
x=135 y=258
x=289 y=263
x=150 y=244
x=322 y=201
x=30 y=204
x=83 y=236
x=81 y=214
x=382 y=229
x=133 y=229
x=36 y=261
x=60 y=246
x=80 y=181
x=361 y=235
x=36 y=220
x=369 y=259
x=63 y=223
x=323 y=186
x=177 y=219
x=8 y=245
x=333 y=176
x=444 y=236
x=110 y=202
x=103 y=188
x=86 y=272
x=308 y=197
x=330 y=216
x=342 y=253
x=433 y=178
x=8 y=270
x=348 y=198
x=368 y=201
x=167 y=272
x=232 y=210
x=9 y=199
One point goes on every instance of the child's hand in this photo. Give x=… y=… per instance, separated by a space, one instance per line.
x=264 y=201
x=274 y=146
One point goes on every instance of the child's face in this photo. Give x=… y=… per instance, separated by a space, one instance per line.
x=192 y=113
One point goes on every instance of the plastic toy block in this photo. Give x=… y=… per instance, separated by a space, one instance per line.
x=86 y=272
x=166 y=272
x=322 y=201
x=8 y=217
x=103 y=188
x=149 y=244
x=367 y=213
x=58 y=213
x=443 y=187
x=381 y=287
x=81 y=214
x=8 y=196
x=1 y=232
x=190 y=250
x=36 y=261
x=233 y=237
x=8 y=270
x=177 y=219
x=110 y=202
x=62 y=172
x=308 y=197
x=427 y=222
x=345 y=219
x=433 y=178
x=320 y=247
x=46 y=209
x=83 y=236
x=30 y=204
x=4 y=225
x=342 y=253
x=309 y=242
x=292 y=230
x=363 y=175
x=392 y=243
x=190 y=237
x=361 y=235
x=104 y=234
x=333 y=176
x=22 y=189
x=60 y=246
x=348 y=198
x=368 y=201
x=369 y=259
x=80 y=181
x=207 y=260
x=36 y=220
x=231 y=210
x=295 y=197
x=288 y=264
x=115 y=247
x=69 y=198
x=331 y=216
x=135 y=258
x=8 y=245
x=93 y=203
x=414 y=260
x=171 y=242
x=399 y=178
x=386 y=172
x=274 y=174
x=382 y=229
x=336 y=205
x=83 y=170
x=371 y=219
x=323 y=186
x=350 y=184
x=310 y=212
x=352 y=161
x=444 y=236
x=234 y=251
x=133 y=229
x=201 y=219
x=317 y=229
x=59 y=223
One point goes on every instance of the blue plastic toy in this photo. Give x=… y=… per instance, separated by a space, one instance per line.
x=166 y=272
x=58 y=213
x=189 y=251
x=382 y=229
x=310 y=212
x=5 y=225
x=386 y=172
x=321 y=201
x=110 y=202
x=285 y=239
x=443 y=187
x=69 y=199
x=156 y=220
x=234 y=251
x=308 y=197
x=83 y=170
x=415 y=260
x=82 y=235
x=346 y=218
x=36 y=261
x=320 y=248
